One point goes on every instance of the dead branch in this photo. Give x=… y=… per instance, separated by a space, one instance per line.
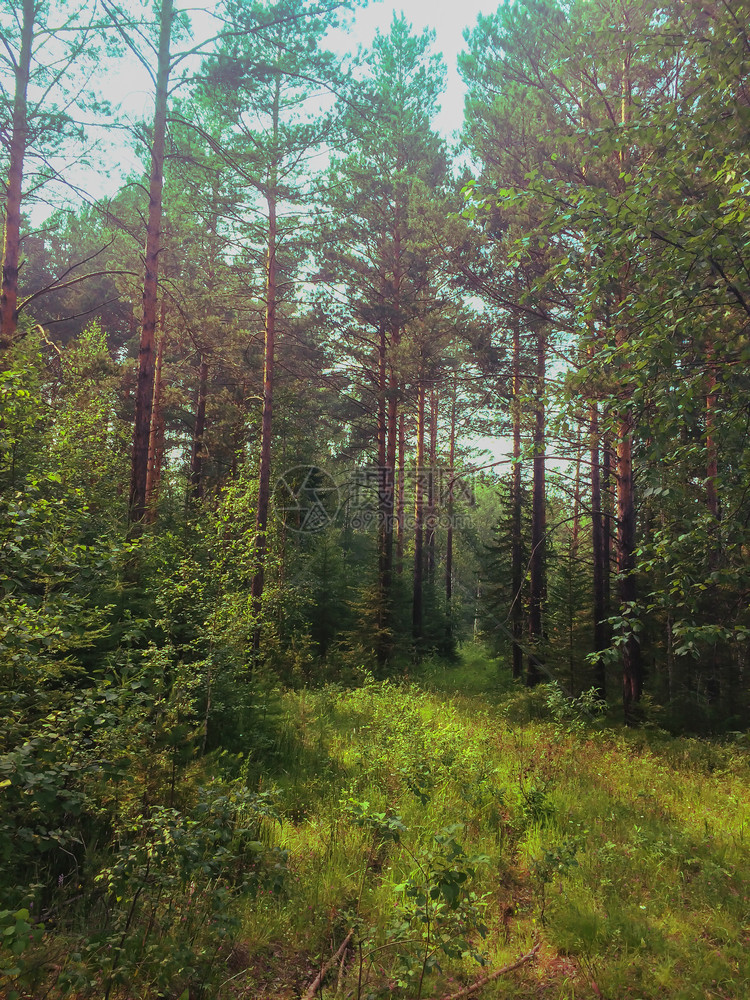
x=481 y=983
x=315 y=985
x=47 y=341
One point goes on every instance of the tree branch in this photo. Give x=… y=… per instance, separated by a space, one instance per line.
x=481 y=983
x=312 y=989
x=66 y=284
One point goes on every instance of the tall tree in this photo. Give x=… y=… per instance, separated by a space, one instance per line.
x=538 y=558
x=509 y=269
x=372 y=250
x=144 y=395
x=263 y=80
x=47 y=52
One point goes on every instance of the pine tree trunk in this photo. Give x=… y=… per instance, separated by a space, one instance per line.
x=145 y=385
x=608 y=502
x=573 y=561
x=516 y=571
x=199 y=430
x=450 y=508
x=417 y=601
x=393 y=383
x=389 y=478
x=627 y=588
x=623 y=459
x=14 y=191
x=632 y=678
x=269 y=348
x=382 y=434
x=537 y=562
x=156 y=436
x=384 y=572
x=577 y=493
x=400 y=497
x=431 y=508
x=600 y=552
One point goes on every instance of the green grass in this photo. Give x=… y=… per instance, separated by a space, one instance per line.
x=453 y=820
x=625 y=854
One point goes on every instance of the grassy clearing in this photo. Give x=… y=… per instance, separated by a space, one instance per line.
x=453 y=820
x=452 y=829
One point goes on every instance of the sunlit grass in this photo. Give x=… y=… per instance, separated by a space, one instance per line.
x=626 y=854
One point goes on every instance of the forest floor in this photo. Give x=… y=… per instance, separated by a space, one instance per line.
x=456 y=822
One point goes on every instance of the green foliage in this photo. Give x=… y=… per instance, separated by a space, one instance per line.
x=78 y=827
x=181 y=785
x=174 y=877
x=54 y=583
x=384 y=826
x=574 y=714
x=484 y=836
x=440 y=907
x=555 y=862
x=17 y=934
x=59 y=470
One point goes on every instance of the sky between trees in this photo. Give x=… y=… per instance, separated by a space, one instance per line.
x=130 y=87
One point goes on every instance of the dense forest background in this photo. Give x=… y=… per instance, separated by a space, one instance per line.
x=244 y=399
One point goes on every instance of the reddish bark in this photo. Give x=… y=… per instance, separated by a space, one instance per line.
x=577 y=495
x=608 y=494
x=393 y=384
x=14 y=192
x=600 y=551
x=145 y=384
x=632 y=676
x=417 y=601
x=156 y=436
x=199 y=430
x=431 y=499
x=389 y=480
x=264 y=474
x=516 y=540
x=382 y=434
x=384 y=576
x=449 y=532
x=400 y=496
x=537 y=561
x=632 y=680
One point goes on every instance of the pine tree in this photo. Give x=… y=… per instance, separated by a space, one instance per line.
x=372 y=250
x=48 y=51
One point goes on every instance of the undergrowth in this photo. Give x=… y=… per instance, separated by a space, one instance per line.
x=451 y=822
x=624 y=853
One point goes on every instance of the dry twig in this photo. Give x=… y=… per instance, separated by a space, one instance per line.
x=481 y=983
x=315 y=985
